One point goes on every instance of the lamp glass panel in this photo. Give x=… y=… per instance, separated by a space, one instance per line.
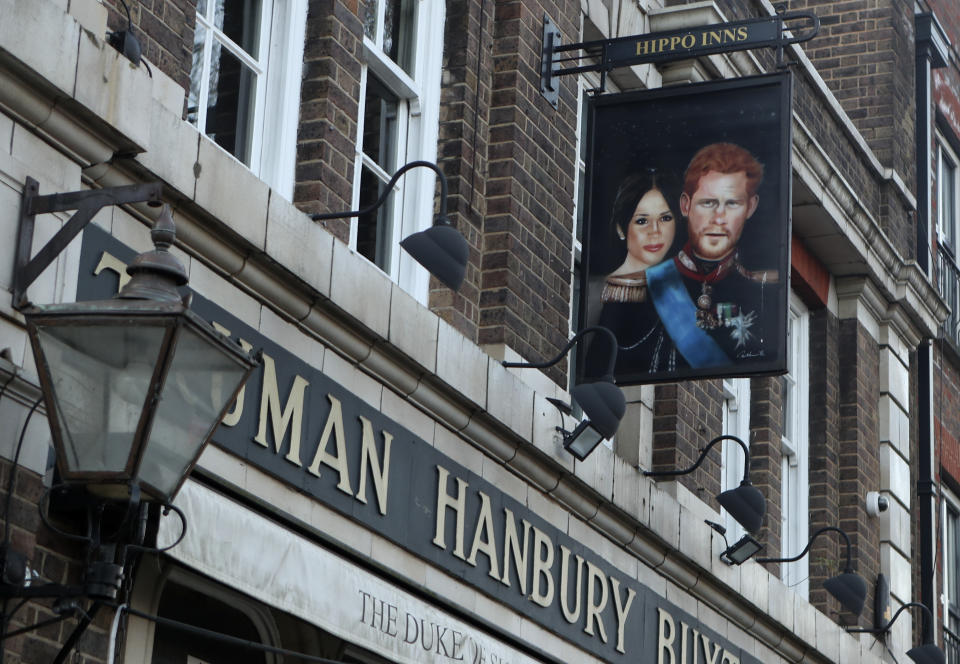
x=100 y=377
x=201 y=380
x=585 y=438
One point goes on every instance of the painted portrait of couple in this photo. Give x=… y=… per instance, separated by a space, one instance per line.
x=687 y=260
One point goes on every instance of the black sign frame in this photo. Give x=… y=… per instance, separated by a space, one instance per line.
x=623 y=131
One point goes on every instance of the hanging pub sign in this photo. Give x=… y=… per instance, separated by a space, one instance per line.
x=686 y=244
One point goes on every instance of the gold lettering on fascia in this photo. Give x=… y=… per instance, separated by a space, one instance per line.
x=232 y=418
x=583 y=595
x=290 y=415
x=110 y=262
x=337 y=462
x=370 y=461
x=687 y=41
x=570 y=615
x=694 y=646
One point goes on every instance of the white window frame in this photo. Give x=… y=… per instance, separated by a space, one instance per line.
x=278 y=67
x=411 y=205
x=947 y=229
x=585 y=82
x=795 y=450
x=735 y=421
x=950 y=509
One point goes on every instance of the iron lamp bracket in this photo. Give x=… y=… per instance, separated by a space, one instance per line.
x=86 y=203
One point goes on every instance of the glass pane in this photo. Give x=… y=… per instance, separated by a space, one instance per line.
x=196 y=75
x=230 y=104
x=399 y=32
x=380 y=124
x=188 y=605
x=374 y=229
x=368 y=14
x=953 y=561
x=100 y=377
x=949 y=203
x=240 y=21
x=199 y=384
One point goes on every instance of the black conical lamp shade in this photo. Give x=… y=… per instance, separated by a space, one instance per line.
x=442 y=250
x=603 y=403
x=850 y=590
x=745 y=504
x=928 y=653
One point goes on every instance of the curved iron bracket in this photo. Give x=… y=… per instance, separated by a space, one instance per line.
x=86 y=203
x=605 y=55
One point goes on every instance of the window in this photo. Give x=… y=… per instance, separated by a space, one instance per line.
x=177 y=593
x=200 y=604
x=245 y=82
x=947 y=197
x=398 y=123
x=735 y=422
x=948 y=274
x=951 y=578
x=795 y=481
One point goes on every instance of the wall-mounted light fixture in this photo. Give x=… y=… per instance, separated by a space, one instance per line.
x=134 y=388
x=926 y=653
x=740 y=551
x=125 y=40
x=745 y=503
x=848 y=588
x=602 y=402
x=441 y=249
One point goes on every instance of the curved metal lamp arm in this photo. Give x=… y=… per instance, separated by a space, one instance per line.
x=703 y=455
x=442 y=217
x=807 y=548
x=579 y=335
x=167 y=508
x=886 y=628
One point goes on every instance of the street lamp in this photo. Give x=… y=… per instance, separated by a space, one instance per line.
x=602 y=401
x=134 y=388
x=441 y=249
x=848 y=588
x=745 y=503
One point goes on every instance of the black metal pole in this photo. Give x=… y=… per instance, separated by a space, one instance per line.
x=81 y=627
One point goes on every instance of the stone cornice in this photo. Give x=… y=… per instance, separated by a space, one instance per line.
x=903 y=284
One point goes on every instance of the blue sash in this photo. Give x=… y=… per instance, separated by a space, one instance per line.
x=679 y=316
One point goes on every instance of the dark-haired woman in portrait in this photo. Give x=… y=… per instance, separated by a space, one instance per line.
x=645 y=225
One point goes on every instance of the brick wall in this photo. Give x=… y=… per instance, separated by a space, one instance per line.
x=859 y=462
x=865 y=54
x=56 y=560
x=165 y=30
x=524 y=299
x=463 y=151
x=687 y=416
x=766 y=431
x=329 y=105
x=824 y=448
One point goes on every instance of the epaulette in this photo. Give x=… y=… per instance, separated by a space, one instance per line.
x=760 y=276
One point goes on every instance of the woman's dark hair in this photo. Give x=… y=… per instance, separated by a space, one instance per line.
x=632 y=189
